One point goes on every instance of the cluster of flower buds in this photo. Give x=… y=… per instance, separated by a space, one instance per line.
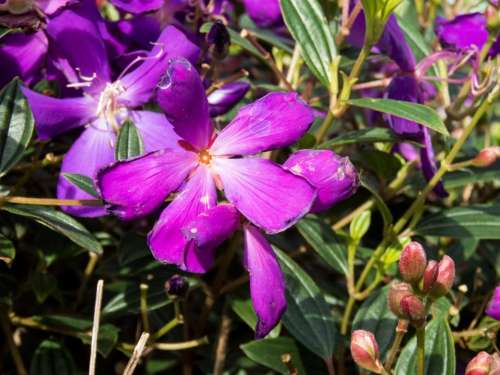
x=484 y=364
x=486 y=157
x=436 y=279
x=364 y=351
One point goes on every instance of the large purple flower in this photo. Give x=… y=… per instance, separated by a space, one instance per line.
x=493 y=308
x=105 y=103
x=191 y=226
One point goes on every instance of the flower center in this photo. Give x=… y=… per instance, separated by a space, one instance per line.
x=204 y=157
x=108 y=101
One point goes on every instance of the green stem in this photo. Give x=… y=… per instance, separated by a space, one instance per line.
x=421 y=351
x=344 y=325
x=166 y=328
x=401 y=330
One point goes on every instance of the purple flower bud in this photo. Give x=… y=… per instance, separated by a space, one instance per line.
x=412 y=262
x=176 y=286
x=479 y=365
x=224 y=99
x=493 y=308
x=218 y=40
x=439 y=277
x=486 y=157
x=397 y=291
x=334 y=176
x=413 y=309
x=364 y=351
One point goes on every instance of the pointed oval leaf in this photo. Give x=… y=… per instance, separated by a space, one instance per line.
x=83 y=182
x=129 y=142
x=309 y=27
x=51 y=357
x=369 y=135
x=324 y=241
x=308 y=318
x=418 y=113
x=16 y=125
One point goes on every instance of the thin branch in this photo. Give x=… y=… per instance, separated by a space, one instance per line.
x=50 y=201
x=136 y=355
x=14 y=351
x=95 y=327
x=221 y=349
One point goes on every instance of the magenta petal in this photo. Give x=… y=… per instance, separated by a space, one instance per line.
x=137 y=6
x=49 y=7
x=135 y=187
x=264 y=13
x=276 y=120
x=493 y=308
x=270 y=197
x=167 y=240
x=156 y=132
x=205 y=233
x=141 y=82
x=54 y=116
x=181 y=96
x=224 y=99
x=334 y=176
x=463 y=31
x=91 y=151
x=267 y=284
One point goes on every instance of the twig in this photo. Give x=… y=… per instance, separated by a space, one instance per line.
x=89 y=269
x=14 y=351
x=136 y=355
x=347 y=22
x=95 y=327
x=401 y=330
x=181 y=345
x=50 y=201
x=221 y=349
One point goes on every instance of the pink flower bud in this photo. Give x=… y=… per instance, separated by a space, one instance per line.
x=486 y=157
x=479 y=365
x=412 y=262
x=364 y=351
x=430 y=275
x=438 y=279
x=397 y=291
x=413 y=309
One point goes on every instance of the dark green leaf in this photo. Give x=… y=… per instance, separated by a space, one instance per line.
x=51 y=357
x=129 y=142
x=309 y=27
x=268 y=353
x=44 y=285
x=243 y=308
x=467 y=176
x=64 y=322
x=3 y=31
x=308 y=318
x=481 y=222
x=267 y=36
x=59 y=222
x=324 y=241
x=439 y=351
x=107 y=339
x=370 y=135
x=83 y=182
x=7 y=250
x=419 y=113
x=374 y=316
x=16 y=125
x=370 y=185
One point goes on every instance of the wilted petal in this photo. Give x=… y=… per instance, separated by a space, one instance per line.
x=205 y=233
x=334 y=176
x=167 y=240
x=276 y=120
x=264 y=13
x=55 y=116
x=141 y=82
x=493 y=308
x=462 y=32
x=224 y=99
x=270 y=197
x=137 y=6
x=22 y=55
x=91 y=151
x=181 y=96
x=267 y=284
x=428 y=160
x=156 y=132
x=135 y=187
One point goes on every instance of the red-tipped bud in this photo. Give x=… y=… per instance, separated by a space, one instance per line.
x=486 y=157
x=412 y=262
x=397 y=291
x=438 y=278
x=364 y=351
x=413 y=309
x=479 y=365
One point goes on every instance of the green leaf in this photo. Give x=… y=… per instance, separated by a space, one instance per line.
x=369 y=184
x=129 y=142
x=51 y=357
x=370 y=135
x=106 y=341
x=439 y=351
x=324 y=241
x=360 y=225
x=44 y=285
x=268 y=353
x=267 y=36
x=83 y=182
x=472 y=175
x=16 y=125
x=309 y=27
x=308 y=318
x=419 y=113
x=7 y=250
x=480 y=221
x=374 y=316
x=243 y=308
x=58 y=222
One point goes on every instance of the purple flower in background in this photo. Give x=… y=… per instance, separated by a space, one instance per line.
x=493 y=308
x=462 y=32
x=105 y=103
x=334 y=176
x=264 y=13
x=192 y=225
x=224 y=99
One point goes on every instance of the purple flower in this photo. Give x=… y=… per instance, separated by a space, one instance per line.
x=463 y=32
x=493 y=308
x=334 y=176
x=224 y=99
x=105 y=104
x=264 y=13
